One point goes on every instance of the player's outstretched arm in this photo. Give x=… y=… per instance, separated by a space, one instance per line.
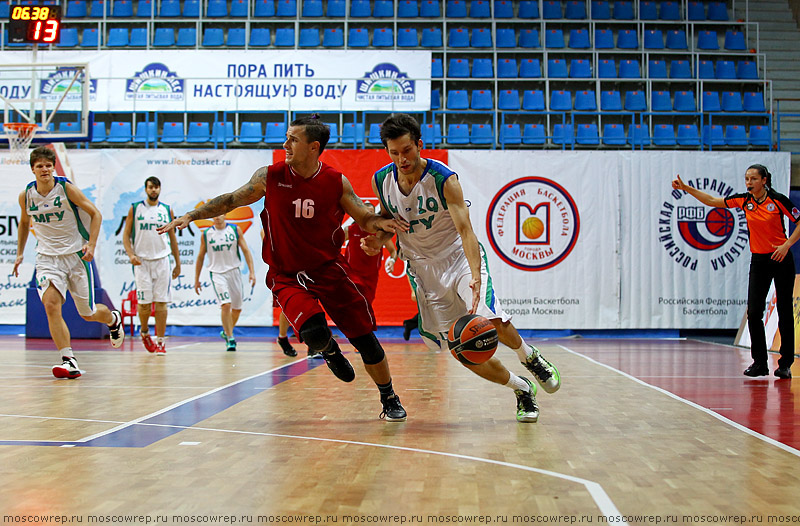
x=23 y=229
x=460 y=215
x=79 y=198
x=255 y=189
x=706 y=199
x=366 y=218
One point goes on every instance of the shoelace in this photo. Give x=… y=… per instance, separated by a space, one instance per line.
x=390 y=404
x=526 y=402
x=539 y=368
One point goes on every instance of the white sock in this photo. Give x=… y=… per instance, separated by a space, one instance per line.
x=523 y=351
x=66 y=352
x=517 y=384
x=160 y=340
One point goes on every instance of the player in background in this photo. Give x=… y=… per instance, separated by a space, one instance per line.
x=447 y=265
x=224 y=242
x=149 y=254
x=64 y=249
x=305 y=203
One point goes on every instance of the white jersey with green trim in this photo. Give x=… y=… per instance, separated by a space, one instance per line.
x=59 y=225
x=431 y=234
x=147 y=242
x=222 y=247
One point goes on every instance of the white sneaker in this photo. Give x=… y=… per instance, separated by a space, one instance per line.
x=116 y=331
x=68 y=369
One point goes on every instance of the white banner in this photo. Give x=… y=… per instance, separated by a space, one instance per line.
x=238 y=80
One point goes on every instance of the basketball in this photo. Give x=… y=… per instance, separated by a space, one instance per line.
x=532 y=228
x=472 y=339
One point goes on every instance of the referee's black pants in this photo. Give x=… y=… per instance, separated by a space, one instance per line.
x=763 y=269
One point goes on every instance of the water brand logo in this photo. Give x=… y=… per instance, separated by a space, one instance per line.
x=66 y=80
x=533 y=223
x=155 y=82
x=385 y=83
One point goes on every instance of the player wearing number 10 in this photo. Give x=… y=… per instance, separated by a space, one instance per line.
x=305 y=202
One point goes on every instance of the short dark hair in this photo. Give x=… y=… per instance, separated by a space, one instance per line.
x=152 y=179
x=398 y=125
x=42 y=152
x=763 y=172
x=315 y=129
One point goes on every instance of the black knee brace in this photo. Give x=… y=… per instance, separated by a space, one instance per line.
x=315 y=333
x=369 y=347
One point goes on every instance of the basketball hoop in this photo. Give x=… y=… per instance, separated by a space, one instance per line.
x=20 y=135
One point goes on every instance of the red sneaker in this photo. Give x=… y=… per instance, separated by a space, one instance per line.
x=149 y=344
x=161 y=349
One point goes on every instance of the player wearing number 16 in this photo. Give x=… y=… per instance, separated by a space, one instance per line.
x=305 y=202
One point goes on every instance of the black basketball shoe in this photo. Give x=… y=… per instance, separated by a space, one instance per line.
x=338 y=364
x=392 y=409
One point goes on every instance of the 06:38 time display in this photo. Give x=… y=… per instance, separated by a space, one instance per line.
x=34 y=24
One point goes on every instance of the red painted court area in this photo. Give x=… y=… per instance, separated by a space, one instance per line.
x=710 y=375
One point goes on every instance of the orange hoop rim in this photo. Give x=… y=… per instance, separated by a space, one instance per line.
x=20 y=127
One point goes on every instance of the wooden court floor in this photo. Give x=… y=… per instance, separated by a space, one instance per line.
x=641 y=429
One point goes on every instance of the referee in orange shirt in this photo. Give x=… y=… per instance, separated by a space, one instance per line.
x=764 y=209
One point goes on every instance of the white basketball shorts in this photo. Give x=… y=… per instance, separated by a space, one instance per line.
x=228 y=287
x=67 y=273
x=153 y=281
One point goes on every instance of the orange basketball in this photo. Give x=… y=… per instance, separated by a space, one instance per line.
x=532 y=228
x=472 y=339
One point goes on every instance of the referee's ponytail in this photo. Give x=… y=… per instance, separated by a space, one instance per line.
x=763 y=172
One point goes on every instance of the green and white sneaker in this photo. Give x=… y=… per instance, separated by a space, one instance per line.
x=545 y=372
x=527 y=410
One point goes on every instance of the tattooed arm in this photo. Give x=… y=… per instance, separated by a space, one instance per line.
x=366 y=219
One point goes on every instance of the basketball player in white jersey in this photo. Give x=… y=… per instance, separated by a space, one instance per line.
x=149 y=255
x=64 y=248
x=447 y=265
x=223 y=242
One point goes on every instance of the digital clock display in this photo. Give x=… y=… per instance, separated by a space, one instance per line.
x=39 y=24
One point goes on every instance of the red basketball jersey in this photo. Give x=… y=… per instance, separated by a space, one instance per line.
x=365 y=268
x=302 y=218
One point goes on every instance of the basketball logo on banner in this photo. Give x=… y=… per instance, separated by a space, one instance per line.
x=533 y=223
x=715 y=235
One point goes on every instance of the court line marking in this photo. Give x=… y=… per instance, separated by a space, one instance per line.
x=735 y=425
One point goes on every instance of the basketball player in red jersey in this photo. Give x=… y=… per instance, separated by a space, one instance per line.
x=366 y=268
x=303 y=211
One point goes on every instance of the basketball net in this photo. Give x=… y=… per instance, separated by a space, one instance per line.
x=20 y=135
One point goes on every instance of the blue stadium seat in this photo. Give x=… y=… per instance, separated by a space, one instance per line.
x=506 y=68
x=688 y=135
x=90 y=37
x=760 y=135
x=309 y=37
x=458 y=134
x=260 y=37
x=696 y=11
x=458 y=68
x=676 y=39
x=712 y=135
x=481 y=134
x=610 y=100
x=669 y=10
x=711 y=101
x=707 y=40
x=587 y=134
x=528 y=9
x=69 y=37
x=638 y=135
x=70 y=128
x=660 y=101
x=213 y=37
x=684 y=101
x=575 y=10
x=284 y=37
x=734 y=41
x=580 y=68
x=75 y=9
x=717 y=11
x=664 y=135
x=533 y=134
x=144 y=9
x=191 y=8
x=383 y=9
x=456 y=9
x=275 y=133
x=407 y=37
x=431 y=37
x=437 y=68
x=613 y=134
x=481 y=99
x=250 y=132
x=603 y=39
x=705 y=70
x=657 y=69
x=286 y=8
x=681 y=69
x=198 y=132
x=627 y=39
x=510 y=134
x=383 y=37
x=735 y=135
x=530 y=68
x=653 y=39
x=726 y=70
x=98 y=131
x=407 y=9
x=119 y=132
x=358 y=37
x=333 y=37
x=561 y=100
x=482 y=68
x=607 y=68
x=217 y=9
x=747 y=70
x=585 y=100
x=503 y=9
x=481 y=37
x=479 y=9
x=553 y=38
x=623 y=10
x=732 y=101
x=557 y=68
x=508 y=99
x=754 y=102
x=117 y=37
x=263 y=8
x=458 y=37
x=138 y=37
x=97 y=8
x=429 y=9
x=436 y=99
x=431 y=135
x=579 y=39
x=170 y=9
x=629 y=69
x=236 y=37
x=353 y=133
x=457 y=100
x=505 y=38
x=648 y=10
x=551 y=9
x=146 y=132
x=601 y=10
x=334 y=128
x=122 y=9
x=533 y=100
x=529 y=38
x=563 y=134
x=239 y=9
x=312 y=9
x=172 y=132
x=164 y=37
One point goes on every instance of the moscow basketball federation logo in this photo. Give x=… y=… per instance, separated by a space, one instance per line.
x=533 y=223
x=694 y=234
